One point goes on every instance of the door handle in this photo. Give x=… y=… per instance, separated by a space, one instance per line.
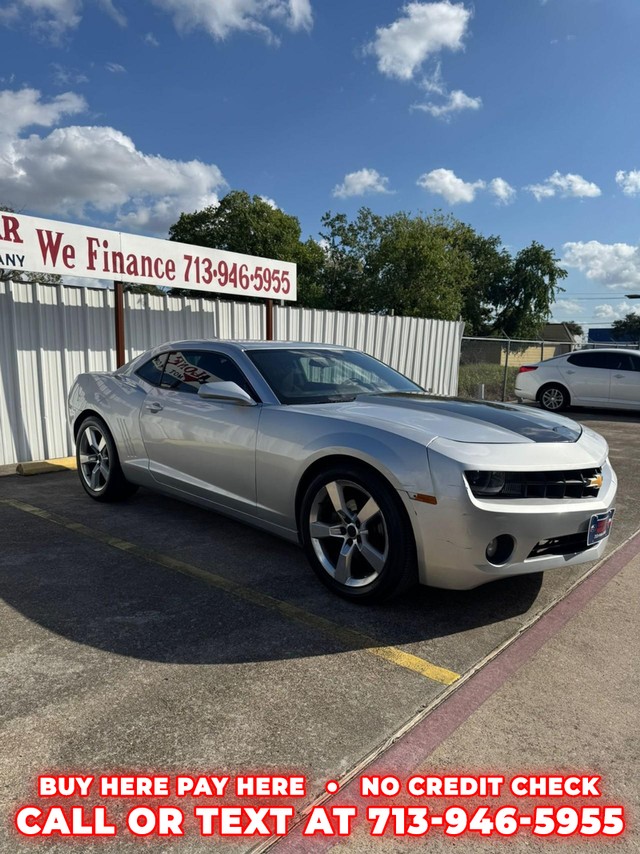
x=571 y=372
x=153 y=407
x=619 y=376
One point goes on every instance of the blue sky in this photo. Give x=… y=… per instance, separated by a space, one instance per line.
x=520 y=117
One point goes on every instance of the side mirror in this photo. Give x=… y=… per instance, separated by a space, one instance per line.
x=231 y=392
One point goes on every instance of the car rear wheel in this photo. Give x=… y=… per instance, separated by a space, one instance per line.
x=554 y=398
x=98 y=464
x=357 y=536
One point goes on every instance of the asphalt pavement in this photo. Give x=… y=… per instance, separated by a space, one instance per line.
x=156 y=636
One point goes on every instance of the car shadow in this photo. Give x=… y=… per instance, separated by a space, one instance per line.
x=100 y=596
x=628 y=416
x=583 y=413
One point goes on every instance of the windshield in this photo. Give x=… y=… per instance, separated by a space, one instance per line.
x=326 y=376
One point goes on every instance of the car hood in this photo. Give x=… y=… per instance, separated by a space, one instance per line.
x=478 y=422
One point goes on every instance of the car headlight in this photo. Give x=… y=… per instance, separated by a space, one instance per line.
x=486 y=482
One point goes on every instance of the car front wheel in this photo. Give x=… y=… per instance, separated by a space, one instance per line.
x=357 y=536
x=98 y=464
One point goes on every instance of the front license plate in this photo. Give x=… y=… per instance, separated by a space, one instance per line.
x=599 y=527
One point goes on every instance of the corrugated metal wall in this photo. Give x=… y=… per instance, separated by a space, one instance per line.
x=50 y=334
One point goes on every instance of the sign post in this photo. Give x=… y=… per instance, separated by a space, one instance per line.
x=269 y=329
x=118 y=295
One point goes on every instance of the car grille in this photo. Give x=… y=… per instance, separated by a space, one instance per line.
x=551 y=484
x=567 y=545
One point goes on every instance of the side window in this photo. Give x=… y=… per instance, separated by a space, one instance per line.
x=151 y=371
x=635 y=361
x=187 y=370
x=581 y=360
x=594 y=359
x=624 y=362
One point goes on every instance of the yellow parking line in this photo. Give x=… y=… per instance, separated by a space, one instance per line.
x=349 y=637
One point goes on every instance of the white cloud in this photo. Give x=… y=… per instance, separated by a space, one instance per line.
x=24 y=108
x=113 y=13
x=629 y=182
x=115 y=68
x=270 y=202
x=301 y=14
x=9 y=14
x=63 y=76
x=79 y=171
x=221 y=17
x=502 y=190
x=455 y=103
x=568 y=185
x=423 y=30
x=361 y=182
x=51 y=18
x=446 y=183
x=541 y=191
x=452 y=102
x=54 y=18
x=434 y=82
x=567 y=306
x=151 y=40
x=607 y=311
x=616 y=265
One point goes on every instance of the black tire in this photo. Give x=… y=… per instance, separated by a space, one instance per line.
x=98 y=464
x=554 y=397
x=378 y=550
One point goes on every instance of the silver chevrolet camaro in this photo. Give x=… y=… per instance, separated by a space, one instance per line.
x=383 y=484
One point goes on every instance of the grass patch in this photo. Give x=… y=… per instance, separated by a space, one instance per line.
x=471 y=376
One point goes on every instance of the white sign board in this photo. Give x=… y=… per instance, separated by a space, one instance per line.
x=47 y=246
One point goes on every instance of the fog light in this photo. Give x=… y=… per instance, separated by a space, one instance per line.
x=500 y=549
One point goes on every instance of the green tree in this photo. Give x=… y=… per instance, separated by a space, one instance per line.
x=348 y=278
x=574 y=327
x=436 y=266
x=491 y=270
x=251 y=226
x=523 y=302
x=154 y=290
x=397 y=264
x=422 y=270
x=628 y=328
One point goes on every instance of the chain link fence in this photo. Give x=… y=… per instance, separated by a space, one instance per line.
x=489 y=366
x=612 y=345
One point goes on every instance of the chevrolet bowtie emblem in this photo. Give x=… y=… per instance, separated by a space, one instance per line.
x=595 y=482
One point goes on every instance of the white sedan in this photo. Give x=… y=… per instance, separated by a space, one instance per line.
x=606 y=378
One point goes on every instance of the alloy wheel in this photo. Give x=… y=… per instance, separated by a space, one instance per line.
x=553 y=398
x=348 y=533
x=94 y=458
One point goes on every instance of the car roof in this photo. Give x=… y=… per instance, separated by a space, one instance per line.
x=604 y=350
x=248 y=344
x=228 y=346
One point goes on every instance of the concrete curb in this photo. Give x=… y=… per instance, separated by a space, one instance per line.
x=46 y=466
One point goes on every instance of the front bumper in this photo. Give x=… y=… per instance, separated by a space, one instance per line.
x=452 y=535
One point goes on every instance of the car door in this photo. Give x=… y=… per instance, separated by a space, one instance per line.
x=206 y=448
x=587 y=375
x=625 y=381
